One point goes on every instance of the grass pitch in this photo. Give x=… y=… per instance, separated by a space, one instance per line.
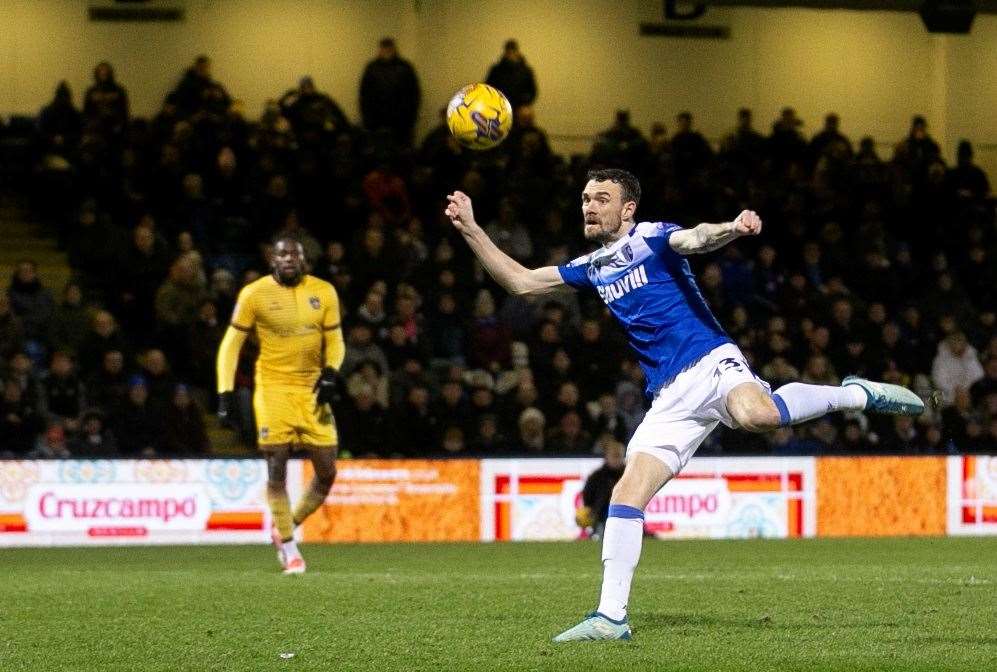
x=905 y=604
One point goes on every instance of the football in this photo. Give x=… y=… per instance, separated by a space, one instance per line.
x=479 y=116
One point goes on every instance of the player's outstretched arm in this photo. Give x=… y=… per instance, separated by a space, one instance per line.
x=513 y=276
x=708 y=237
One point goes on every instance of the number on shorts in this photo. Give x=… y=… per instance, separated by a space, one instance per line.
x=726 y=364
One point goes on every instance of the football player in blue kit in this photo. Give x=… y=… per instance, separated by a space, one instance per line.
x=696 y=375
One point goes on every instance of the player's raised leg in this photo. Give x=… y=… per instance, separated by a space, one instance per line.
x=755 y=410
x=643 y=476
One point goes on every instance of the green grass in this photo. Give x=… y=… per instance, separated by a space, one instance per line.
x=904 y=604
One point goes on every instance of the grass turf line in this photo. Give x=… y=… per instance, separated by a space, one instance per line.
x=892 y=604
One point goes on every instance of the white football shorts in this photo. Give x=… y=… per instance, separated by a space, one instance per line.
x=687 y=409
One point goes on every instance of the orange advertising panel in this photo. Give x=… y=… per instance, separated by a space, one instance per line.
x=398 y=500
x=881 y=496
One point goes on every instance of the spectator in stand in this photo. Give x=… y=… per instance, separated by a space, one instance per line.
x=109 y=386
x=690 y=150
x=915 y=152
x=106 y=102
x=20 y=421
x=94 y=439
x=414 y=415
x=51 y=445
x=70 y=321
x=509 y=233
x=622 y=144
x=488 y=439
x=32 y=303
x=104 y=336
x=605 y=419
x=179 y=299
x=365 y=427
x=963 y=423
x=143 y=268
x=452 y=442
x=60 y=123
x=956 y=366
x=93 y=247
x=312 y=112
x=11 y=330
x=22 y=370
x=513 y=76
x=138 y=425
x=599 y=486
x=830 y=141
x=744 y=146
x=361 y=348
x=159 y=380
x=389 y=94
x=447 y=334
x=63 y=394
x=985 y=386
x=569 y=437
x=203 y=339
x=184 y=425
x=786 y=144
x=530 y=156
x=489 y=341
x=199 y=92
x=967 y=181
x=853 y=439
x=531 y=435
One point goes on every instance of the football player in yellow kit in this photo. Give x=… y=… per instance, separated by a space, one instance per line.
x=297 y=321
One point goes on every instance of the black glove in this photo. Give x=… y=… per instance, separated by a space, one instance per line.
x=327 y=387
x=226 y=407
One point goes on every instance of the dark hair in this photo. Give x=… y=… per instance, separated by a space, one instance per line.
x=285 y=238
x=629 y=184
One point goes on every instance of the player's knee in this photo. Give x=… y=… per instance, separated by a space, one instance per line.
x=757 y=417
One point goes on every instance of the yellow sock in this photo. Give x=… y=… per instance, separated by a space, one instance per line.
x=309 y=502
x=280 y=508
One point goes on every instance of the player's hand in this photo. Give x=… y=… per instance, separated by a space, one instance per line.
x=460 y=212
x=748 y=223
x=226 y=408
x=327 y=387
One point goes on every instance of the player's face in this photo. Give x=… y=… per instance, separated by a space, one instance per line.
x=288 y=262
x=604 y=211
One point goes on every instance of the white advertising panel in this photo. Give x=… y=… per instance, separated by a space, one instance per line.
x=972 y=494
x=712 y=498
x=71 y=502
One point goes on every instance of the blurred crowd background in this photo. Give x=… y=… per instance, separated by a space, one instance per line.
x=873 y=263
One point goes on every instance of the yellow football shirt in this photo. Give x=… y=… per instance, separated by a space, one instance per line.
x=297 y=327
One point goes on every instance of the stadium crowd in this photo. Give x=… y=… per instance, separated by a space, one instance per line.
x=881 y=266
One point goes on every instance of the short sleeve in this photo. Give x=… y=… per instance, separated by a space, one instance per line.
x=656 y=234
x=244 y=313
x=575 y=273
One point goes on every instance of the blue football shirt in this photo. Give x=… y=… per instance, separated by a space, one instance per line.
x=652 y=292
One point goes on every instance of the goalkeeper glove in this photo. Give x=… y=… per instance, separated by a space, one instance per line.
x=584 y=517
x=226 y=407
x=327 y=386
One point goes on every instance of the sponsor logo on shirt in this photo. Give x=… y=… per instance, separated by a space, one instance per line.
x=629 y=282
